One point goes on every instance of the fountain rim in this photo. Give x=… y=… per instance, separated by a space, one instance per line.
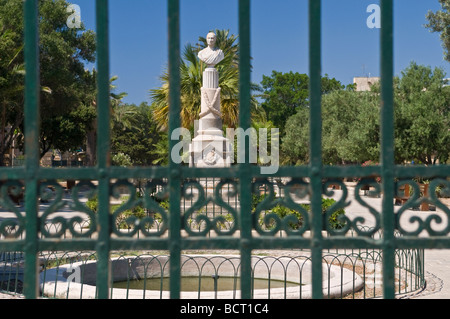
x=54 y=283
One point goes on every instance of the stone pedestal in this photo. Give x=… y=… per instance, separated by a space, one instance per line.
x=210 y=78
x=210 y=148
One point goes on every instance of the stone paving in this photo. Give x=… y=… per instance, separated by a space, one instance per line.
x=437 y=268
x=437 y=262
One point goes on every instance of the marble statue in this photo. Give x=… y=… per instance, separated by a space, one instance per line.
x=210 y=148
x=211 y=55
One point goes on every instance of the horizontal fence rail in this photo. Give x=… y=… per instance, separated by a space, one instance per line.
x=361 y=221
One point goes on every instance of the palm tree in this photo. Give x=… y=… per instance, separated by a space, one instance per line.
x=191 y=73
x=121 y=114
x=118 y=112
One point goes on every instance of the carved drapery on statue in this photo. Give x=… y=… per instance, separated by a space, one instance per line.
x=211 y=56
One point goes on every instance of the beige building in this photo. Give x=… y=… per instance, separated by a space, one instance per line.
x=364 y=83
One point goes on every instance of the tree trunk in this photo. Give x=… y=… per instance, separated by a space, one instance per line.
x=91 y=148
x=3 y=141
x=7 y=138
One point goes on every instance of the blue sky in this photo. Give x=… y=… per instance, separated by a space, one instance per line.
x=279 y=37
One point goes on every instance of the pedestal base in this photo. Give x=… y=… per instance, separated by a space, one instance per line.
x=210 y=151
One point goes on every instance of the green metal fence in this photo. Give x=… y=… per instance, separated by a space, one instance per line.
x=25 y=231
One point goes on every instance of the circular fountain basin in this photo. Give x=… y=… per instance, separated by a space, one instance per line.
x=77 y=280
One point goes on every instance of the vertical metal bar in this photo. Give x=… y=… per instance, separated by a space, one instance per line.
x=245 y=169
x=315 y=69
x=32 y=121
x=387 y=146
x=175 y=173
x=103 y=149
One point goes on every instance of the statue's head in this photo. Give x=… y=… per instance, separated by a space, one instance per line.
x=211 y=39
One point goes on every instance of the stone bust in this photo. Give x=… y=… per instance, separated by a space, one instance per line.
x=211 y=55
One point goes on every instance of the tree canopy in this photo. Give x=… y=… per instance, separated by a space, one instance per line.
x=422 y=115
x=285 y=94
x=351 y=122
x=439 y=21
x=134 y=133
x=350 y=130
x=67 y=87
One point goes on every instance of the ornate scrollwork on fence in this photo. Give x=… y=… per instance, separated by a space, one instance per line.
x=374 y=190
x=198 y=220
x=343 y=220
x=207 y=205
x=144 y=214
x=11 y=227
x=272 y=214
x=52 y=192
x=434 y=224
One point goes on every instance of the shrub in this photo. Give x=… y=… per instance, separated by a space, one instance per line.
x=137 y=211
x=121 y=159
x=283 y=211
x=334 y=220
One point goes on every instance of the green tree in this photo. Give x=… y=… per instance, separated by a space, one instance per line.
x=11 y=88
x=117 y=111
x=285 y=94
x=350 y=127
x=295 y=143
x=67 y=132
x=423 y=115
x=63 y=54
x=351 y=123
x=134 y=133
x=11 y=75
x=439 y=21
x=160 y=150
x=350 y=130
